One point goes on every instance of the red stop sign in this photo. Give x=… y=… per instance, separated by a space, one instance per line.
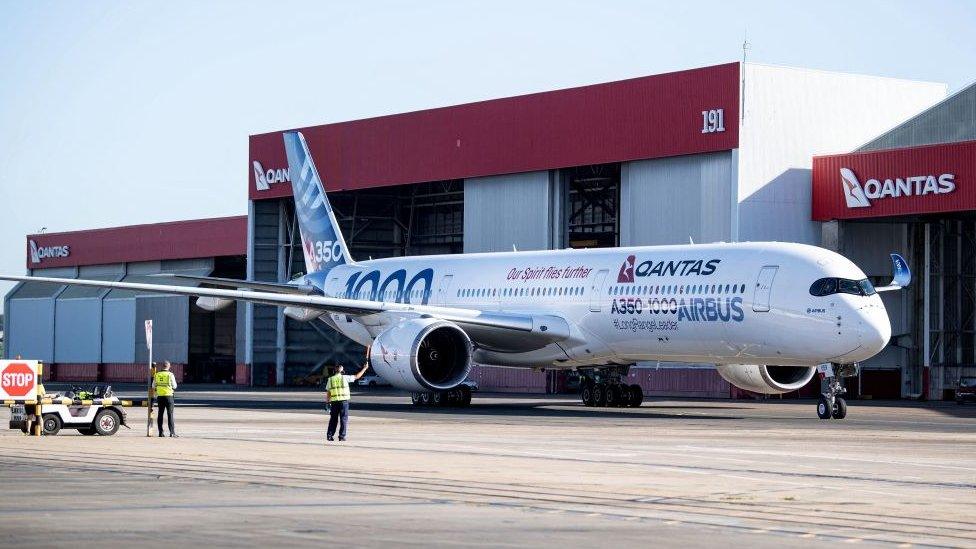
x=17 y=379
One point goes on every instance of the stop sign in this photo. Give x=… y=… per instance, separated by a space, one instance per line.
x=17 y=379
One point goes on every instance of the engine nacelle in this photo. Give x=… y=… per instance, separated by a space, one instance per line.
x=213 y=303
x=768 y=380
x=422 y=354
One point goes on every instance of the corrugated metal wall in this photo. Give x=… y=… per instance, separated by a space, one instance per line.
x=506 y=210
x=792 y=114
x=78 y=317
x=30 y=316
x=667 y=200
x=951 y=120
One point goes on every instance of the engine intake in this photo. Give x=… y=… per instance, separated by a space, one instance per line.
x=768 y=380
x=422 y=354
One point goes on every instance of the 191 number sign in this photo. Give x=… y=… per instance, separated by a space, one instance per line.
x=713 y=121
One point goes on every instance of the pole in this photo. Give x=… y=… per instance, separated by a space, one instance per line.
x=149 y=382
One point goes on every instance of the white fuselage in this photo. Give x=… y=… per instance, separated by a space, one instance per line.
x=747 y=303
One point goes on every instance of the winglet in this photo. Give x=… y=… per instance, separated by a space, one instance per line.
x=902 y=275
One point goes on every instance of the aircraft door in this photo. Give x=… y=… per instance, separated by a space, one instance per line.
x=443 y=289
x=596 y=290
x=764 y=288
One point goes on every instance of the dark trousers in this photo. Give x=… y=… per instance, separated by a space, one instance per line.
x=165 y=404
x=338 y=413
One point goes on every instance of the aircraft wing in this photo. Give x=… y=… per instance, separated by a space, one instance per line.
x=535 y=330
x=273 y=287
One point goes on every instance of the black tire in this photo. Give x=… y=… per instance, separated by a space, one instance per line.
x=87 y=432
x=840 y=408
x=437 y=399
x=415 y=399
x=823 y=408
x=613 y=396
x=52 y=424
x=465 y=396
x=599 y=394
x=586 y=395
x=636 y=396
x=453 y=397
x=107 y=423
x=425 y=398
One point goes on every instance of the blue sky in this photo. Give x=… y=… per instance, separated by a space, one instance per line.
x=120 y=113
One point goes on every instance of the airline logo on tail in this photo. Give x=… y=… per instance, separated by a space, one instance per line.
x=322 y=241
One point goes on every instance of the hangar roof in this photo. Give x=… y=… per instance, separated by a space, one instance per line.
x=648 y=117
x=216 y=237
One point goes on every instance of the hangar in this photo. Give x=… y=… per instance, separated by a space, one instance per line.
x=912 y=188
x=720 y=153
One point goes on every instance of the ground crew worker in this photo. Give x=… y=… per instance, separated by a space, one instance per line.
x=337 y=395
x=165 y=384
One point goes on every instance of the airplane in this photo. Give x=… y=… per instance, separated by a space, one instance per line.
x=768 y=315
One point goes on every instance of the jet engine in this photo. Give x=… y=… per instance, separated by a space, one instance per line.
x=768 y=380
x=213 y=303
x=422 y=354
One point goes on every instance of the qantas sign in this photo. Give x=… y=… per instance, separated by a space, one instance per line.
x=860 y=196
x=40 y=253
x=264 y=179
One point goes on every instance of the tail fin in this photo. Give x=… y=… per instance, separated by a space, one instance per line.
x=322 y=241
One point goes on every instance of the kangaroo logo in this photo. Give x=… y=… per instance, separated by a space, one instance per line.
x=853 y=192
x=34 y=253
x=260 y=180
x=626 y=273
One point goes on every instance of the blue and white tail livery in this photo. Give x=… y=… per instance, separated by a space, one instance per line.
x=322 y=241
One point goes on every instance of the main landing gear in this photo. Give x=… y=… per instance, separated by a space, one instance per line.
x=831 y=404
x=608 y=390
x=458 y=397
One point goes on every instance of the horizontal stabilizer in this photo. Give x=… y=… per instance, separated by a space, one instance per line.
x=273 y=287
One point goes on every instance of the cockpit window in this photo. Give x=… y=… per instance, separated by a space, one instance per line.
x=828 y=286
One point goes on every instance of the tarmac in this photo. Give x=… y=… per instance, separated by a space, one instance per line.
x=253 y=468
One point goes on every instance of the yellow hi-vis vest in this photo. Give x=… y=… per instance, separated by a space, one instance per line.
x=338 y=388
x=163 y=387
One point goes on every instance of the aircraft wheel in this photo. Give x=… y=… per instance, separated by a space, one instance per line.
x=415 y=399
x=823 y=408
x=613 y=396
x=52 y=424
x=636 y=396
x=600 y=394
x=586 y=395
x=425 y=398
x=840 y=408
x=438 y=399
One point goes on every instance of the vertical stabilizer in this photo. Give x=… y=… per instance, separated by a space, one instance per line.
x=322 y=242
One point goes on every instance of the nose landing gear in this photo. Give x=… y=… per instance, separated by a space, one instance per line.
x=831 y=404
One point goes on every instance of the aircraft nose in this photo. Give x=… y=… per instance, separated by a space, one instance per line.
x=875 y=329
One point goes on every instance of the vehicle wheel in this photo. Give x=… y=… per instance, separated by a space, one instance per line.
x=599 y=394
x=52 y=424
x=415 y=399
x=823 y=408
x=106 y=423
x=437 y=399
x=613 y=396
x=425 y=398
x=840 y=408
x=636 y=396
x=586 y=395
x=87 y=432
x=465 y=396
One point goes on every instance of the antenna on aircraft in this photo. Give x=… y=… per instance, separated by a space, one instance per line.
x=514 y=249
x=691 y=240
